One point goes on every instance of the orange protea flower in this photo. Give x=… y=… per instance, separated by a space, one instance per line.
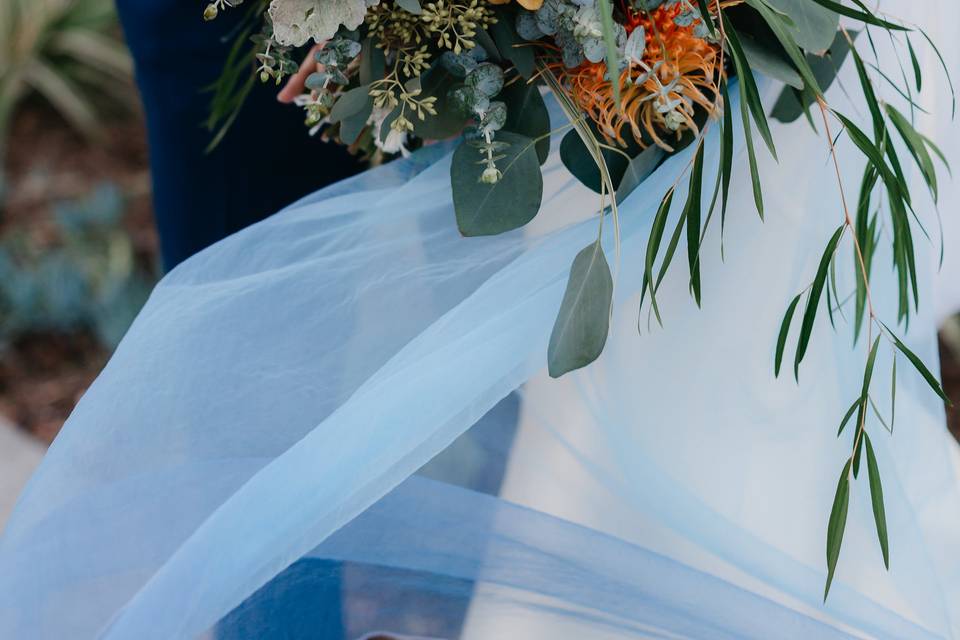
x=531 y=5
x=658 y=94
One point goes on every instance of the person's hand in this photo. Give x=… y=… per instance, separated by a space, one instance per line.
x=297 y=83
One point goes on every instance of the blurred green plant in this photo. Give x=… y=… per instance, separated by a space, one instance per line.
x=67 y=51
x=85 y=279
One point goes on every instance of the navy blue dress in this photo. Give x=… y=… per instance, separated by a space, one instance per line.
x=266 y=161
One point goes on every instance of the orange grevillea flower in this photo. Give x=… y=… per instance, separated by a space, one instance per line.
x=531 y=5
x=659 y=93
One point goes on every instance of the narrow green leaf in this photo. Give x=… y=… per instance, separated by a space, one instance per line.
x=813 y=301
x=784 y=331
x=946 y=71
x=862 y=409
x=694 y=209
x=847 y=416
x=749 y=93
x=671 y=248
x=836 y=526
x=653 y=247
x=706 y=17
x=917 y=74
x=920 y=367
x=864 y=16
x=581 y=328
x=726 y=155
x=876 y=496
x=893 y=393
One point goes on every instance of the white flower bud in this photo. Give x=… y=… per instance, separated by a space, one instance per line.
x=490 y=175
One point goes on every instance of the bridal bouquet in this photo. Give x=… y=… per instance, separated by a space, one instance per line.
x=639 y=81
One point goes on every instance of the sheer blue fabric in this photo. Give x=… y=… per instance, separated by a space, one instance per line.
x=255 y=441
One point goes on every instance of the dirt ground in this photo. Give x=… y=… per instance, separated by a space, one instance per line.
x=42 y=375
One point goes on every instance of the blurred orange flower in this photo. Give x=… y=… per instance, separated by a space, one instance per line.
x=530 y=5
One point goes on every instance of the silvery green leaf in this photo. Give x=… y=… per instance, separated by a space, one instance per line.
x=572 y=56
x=636 y=45
x=459 y=65
x=494 y=117
x=594 y=49
x=527 y=26
x=580 y=331
x=486 y=79
x=469 y=101
x=687 y=17
x=338 y=52
x=410 y=6
x=351 y=102
x=315 y=80
x=548 y=17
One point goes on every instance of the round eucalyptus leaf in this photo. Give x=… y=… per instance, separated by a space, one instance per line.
x=511 y=202
x=594 y=49
x=527 y=26
x=351 y=102
x=494 y=117
x=548 y=17
x=487 y=79
x=469 y=101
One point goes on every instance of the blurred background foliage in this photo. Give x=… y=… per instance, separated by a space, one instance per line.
x=70 y=53
x=77 y=248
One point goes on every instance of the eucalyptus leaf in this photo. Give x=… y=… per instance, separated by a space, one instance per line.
x=513 y=47
x=769 y=62
x=488 y=209
x=438 y=82
x=353 y=125
x=352 y=102
x=581 y=163
x=814 y=27
x=639 y=169
x=580 y=331
x=410 y=6
x=372 y=62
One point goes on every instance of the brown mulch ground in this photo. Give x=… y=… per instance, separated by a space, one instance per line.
x=43 y=375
